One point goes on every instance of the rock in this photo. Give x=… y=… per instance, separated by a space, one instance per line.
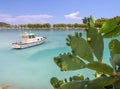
x=5 y=87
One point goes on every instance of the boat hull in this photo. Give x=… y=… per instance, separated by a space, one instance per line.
x=19 y=45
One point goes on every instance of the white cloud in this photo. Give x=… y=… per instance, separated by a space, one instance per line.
x=4 y=15
x=34 y=16
x=25 y=19
x=73 y=15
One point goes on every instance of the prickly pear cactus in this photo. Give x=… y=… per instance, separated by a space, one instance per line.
x=96 y=42
x=113 y=33
x=110 y=29
x=91 y=22
x=69 y=62
x=75 y=85
x=83 y=54
x=80 y=47
x=114 y=47
x=78 y=77
x=56 y=83
x=117 y=84
x=109 y=26
x=100 y=83
x=101 y=67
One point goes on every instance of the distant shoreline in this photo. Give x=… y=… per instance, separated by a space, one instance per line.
x=44 y=28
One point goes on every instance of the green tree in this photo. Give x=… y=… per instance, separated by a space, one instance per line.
x=117 y=18
x=59 y=25
x=85 y=20
x=99 y=22
x=30 y=25
x=70 y=25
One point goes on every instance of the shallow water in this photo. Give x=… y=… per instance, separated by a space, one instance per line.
x=33 y=67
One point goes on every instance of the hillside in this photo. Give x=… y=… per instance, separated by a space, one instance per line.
x=2 y=24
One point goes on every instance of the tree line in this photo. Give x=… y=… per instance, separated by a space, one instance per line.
x=98 y=24
x=48 y=26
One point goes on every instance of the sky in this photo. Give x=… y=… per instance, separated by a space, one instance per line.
x=56 y=11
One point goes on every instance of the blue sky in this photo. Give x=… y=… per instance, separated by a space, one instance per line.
x=56 y=11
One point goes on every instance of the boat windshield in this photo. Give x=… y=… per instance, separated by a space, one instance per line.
x=31 y=36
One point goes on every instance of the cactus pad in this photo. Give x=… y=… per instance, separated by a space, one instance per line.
x=69 y=62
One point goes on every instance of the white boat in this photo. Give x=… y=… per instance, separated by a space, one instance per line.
x=28 y=40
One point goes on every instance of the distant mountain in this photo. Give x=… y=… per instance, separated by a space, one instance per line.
x=3 y=24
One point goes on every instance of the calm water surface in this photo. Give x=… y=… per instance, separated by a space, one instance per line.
x=33 y=67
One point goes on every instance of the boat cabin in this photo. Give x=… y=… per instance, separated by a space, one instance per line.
x=28 y=38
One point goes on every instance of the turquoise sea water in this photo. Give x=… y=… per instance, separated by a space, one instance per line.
x=33 y=67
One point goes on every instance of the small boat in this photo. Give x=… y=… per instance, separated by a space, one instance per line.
x=28 y=40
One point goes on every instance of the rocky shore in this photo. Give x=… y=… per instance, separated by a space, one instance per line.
x=7 y=86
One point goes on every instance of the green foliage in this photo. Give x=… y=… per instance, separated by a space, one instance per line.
x=100 y=82
x=91 y=22
x=69 y=62
x=46 y=25
x=56 y=83
x=115 y=60
x=99 y=22
x=78 y=77
x=108 y=26
x=85 y=20
x=80 y=47
x=82 y=56
x=96 y=42
x=81 y=83
x=117 y=84
x=117 y=18
x=114 y=33
x=75 y=85
x=110 y=29
x=114 y=46
x=100 y=67
x=59 y=25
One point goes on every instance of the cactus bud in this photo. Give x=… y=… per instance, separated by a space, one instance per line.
x=68 y=44
x=69 y=54
x=67 y=39
x=89 y=39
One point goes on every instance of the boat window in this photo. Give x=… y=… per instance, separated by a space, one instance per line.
x=30 y=37
x=33 y=36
